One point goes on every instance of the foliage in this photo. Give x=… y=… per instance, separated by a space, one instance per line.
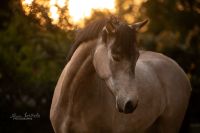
x=31 y=59
x=32 y=55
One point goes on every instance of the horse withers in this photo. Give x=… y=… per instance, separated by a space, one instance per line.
x=109 y=86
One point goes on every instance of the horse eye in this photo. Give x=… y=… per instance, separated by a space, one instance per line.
x=116 y=57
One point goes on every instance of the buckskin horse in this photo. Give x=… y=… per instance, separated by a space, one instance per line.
x=110 y=86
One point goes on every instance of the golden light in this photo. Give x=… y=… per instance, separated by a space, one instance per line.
x=139 y=2
x=52 y=2
x=61 y=3
x=28 y=2
x=81 y=9
x=74 y=11
x=53 y=14
x=26 y=6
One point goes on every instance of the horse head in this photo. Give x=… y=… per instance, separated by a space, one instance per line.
x=114 y=60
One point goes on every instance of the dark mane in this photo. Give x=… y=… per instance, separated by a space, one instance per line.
x=91 y=31
x=125 y=40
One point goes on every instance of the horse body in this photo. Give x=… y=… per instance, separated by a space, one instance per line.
x=83 y=103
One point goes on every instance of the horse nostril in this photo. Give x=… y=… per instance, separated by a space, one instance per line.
x=126 y=105
x=129 y=107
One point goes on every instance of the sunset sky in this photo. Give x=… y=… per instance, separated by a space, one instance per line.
x=78 y=10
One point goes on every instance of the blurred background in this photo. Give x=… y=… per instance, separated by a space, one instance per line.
x=35 y=37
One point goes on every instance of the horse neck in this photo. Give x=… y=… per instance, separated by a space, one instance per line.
x=81 y=79
x=82 y=92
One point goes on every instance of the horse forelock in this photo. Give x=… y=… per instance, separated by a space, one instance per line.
x=125 y=40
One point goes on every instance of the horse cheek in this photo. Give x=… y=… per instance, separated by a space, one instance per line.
x=101 y=62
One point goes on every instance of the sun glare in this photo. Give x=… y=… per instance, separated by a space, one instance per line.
x=78 y=10
x=28 y=2
x=61 y=3
x=53 y=14
x=72 y=11
x=81 y=9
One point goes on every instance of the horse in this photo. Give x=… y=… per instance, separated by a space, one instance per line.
x=110 y=86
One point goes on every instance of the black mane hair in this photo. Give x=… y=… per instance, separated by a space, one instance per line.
x=91 y=31
x=125 y=40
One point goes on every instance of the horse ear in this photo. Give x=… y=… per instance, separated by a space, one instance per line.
x=139 y=25
x=101 y=62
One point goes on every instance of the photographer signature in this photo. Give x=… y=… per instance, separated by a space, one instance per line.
x=25 y=116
